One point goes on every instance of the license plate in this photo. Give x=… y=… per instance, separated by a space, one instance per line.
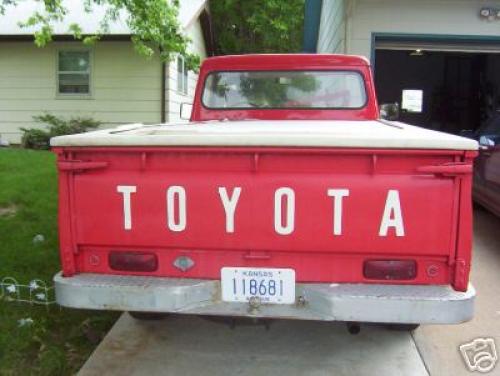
x=271 y=285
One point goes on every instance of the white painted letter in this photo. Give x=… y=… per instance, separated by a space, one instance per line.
x=176 y=195
x=229 y=205
x=338 y=195
x=392 y=216
x=126 y=191
x=288 y=228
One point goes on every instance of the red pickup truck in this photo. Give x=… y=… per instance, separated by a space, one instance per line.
x=286 y=196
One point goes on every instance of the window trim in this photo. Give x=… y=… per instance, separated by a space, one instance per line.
x=185 y=76
x=362 y=107
x=88 y=95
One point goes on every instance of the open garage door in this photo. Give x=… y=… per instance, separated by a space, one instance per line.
x=471 y=46
x=449 y=86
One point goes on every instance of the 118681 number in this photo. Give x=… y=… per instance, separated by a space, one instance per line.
x=271 y=285
x=257 y=287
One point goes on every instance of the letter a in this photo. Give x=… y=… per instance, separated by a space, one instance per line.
x=392 y=216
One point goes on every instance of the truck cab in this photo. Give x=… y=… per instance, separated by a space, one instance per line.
x=285 y=196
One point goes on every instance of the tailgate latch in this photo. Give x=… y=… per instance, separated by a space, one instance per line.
x=448 y=169
x=80 y=166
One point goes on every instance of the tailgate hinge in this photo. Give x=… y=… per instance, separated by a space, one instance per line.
x=80 y=166
x=448 y=169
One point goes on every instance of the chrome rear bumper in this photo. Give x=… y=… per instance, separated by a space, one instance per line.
x=328 y=302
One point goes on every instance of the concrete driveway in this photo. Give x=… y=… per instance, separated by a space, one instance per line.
x=438 y=345
x=182 y=345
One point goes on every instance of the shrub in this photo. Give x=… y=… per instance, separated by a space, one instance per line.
x=36 y=138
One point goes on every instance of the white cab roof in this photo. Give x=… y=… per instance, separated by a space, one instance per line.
x=306 y=133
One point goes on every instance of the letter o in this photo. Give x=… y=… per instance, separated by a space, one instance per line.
x=176 y=204
x=289 y=226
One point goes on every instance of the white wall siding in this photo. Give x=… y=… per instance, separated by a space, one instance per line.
x=446 y=17
x=331 y=37
x=125 y=86
x=195 y=33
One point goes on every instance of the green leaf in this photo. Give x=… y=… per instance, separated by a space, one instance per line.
x=153 y=24
x=257 y=26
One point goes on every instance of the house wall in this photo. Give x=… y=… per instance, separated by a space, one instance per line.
x=125 y=86
x=446 y=17
x=331 y=38
x=173 y=97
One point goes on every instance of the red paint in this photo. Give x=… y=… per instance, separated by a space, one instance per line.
x=312 y=249
x=434 y=189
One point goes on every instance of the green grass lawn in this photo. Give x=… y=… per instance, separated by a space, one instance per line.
x=58 y=341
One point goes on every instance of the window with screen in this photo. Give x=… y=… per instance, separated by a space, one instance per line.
x=73 y=72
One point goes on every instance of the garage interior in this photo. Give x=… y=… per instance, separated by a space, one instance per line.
x=454 y=88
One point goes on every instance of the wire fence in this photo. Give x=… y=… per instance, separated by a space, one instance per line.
x=36 y=292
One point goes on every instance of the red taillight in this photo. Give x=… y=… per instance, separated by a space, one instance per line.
x=133 y=261
x=390 y=269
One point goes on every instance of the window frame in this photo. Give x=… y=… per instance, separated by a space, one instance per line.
x=359 y=73
x=183 y=84
x=60 y=95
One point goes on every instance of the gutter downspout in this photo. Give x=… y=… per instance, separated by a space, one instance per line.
x=312 y=20
x=163 y=94
x=349 y=10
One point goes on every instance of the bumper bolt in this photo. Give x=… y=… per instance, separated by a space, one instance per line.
x=254 y=302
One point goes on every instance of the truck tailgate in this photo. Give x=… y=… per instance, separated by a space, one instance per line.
x=321 y=212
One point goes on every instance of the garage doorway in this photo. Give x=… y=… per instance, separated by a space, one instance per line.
x=445 y=87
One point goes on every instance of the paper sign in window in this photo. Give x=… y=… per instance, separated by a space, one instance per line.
x=412 y=100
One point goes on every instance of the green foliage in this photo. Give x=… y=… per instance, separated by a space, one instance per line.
x=153 y=24
x=257 y=26
x=59 y=340
x=36 y=138
x=269 y=93
x=260 y=90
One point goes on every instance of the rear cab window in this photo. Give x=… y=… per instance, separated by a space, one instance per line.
x=333 y=89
